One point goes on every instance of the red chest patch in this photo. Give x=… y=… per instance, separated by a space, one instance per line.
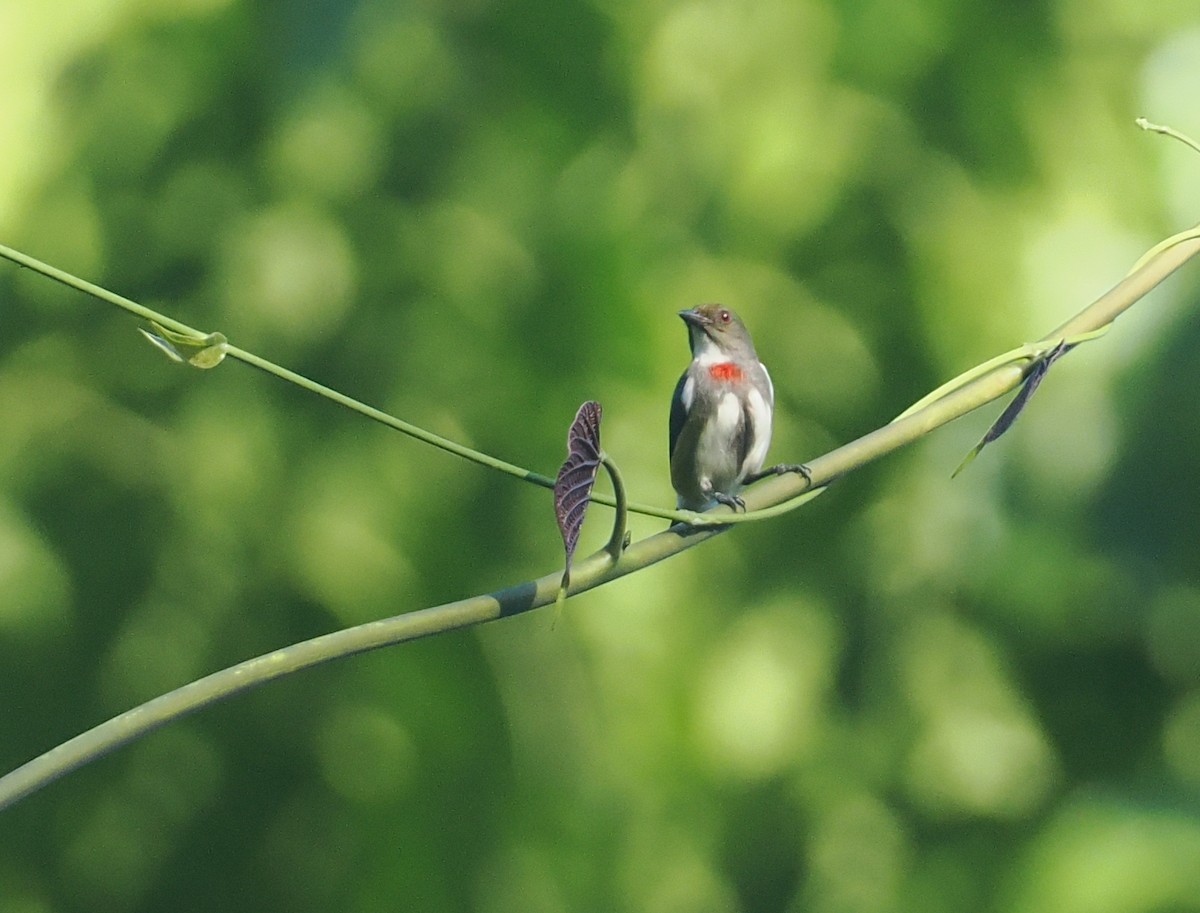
x=726 y=371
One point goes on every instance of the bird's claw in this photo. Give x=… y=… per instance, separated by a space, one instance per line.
x=780 y=469
x=799 y=468
x=731 y=501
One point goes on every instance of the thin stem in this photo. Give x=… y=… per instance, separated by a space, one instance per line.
x=377 y=415
x=1189 y=235
x=389 y=420
x=616 y=542
x=138 y=310
x=1024 y=355
x=725 y=517
x=1021 y=354
x=1168 y=131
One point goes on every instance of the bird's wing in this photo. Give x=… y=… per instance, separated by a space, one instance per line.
x=679 y=413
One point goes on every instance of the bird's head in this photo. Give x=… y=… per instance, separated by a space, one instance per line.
x=714 y=326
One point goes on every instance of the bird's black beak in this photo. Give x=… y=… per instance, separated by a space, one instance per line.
x=694 y=318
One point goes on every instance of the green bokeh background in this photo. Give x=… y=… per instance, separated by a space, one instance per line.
x=915 y=695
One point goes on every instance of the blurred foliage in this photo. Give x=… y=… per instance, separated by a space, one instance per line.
x=915 y=695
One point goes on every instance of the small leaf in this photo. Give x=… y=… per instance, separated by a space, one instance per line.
x=211 y=348
x=210 y=356
x=162 y=345
x=1008 y=417
x=573 y=486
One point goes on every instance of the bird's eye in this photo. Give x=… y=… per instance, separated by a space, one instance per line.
x=724 y=316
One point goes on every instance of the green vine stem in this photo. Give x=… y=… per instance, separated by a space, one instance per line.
x=620 y=537
x=593 y=571
x=183 y=331
x=1168 y=131
x=1022 y=355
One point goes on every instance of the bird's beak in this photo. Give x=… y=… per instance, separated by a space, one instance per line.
x=694 y=318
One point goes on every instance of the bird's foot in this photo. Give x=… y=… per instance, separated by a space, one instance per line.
x=779 y=470
x=732 y=501
x=793 y=467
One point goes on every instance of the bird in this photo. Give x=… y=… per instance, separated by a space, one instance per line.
x=721 y=414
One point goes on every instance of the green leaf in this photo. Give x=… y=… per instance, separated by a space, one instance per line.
x=210 y=349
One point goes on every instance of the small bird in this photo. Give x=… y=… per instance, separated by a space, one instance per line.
x=721 y=414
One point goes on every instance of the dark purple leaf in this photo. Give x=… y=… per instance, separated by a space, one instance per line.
x=573 y=486
x=1036 y=375
x=1033 y=380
